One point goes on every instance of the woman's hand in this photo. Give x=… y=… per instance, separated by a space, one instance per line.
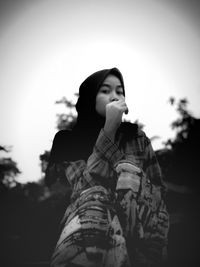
x=114 y=112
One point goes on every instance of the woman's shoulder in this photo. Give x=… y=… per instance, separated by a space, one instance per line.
x=63 y=135
x=133 y=129
x=132 y=132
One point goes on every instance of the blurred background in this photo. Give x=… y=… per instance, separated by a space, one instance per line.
x=47 y=48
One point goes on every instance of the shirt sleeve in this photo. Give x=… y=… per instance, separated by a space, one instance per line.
x=100 y=165
x=157 y=225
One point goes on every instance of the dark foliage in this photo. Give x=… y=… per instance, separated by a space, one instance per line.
x=179 y=161
x=180 y=157
x=8 y=170
x=68 y=119
x=31 y=213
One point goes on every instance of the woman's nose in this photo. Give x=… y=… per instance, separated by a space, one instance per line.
x=114 y=97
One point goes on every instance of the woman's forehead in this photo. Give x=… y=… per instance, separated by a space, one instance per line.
x=110 y=79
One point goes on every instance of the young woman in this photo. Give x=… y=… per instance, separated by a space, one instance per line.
x=117 y=216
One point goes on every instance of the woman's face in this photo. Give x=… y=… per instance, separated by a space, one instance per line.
x=110 y=89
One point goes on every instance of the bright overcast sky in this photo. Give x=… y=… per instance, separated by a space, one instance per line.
x=47 y=48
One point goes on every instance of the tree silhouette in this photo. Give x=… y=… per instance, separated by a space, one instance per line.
x=68 y=119
x=179 y=159
x=64 y=121
x=8 y=170
x=37 y=210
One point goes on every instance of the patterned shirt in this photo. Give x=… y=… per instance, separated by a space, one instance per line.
x=100 y=167
x=143 y=213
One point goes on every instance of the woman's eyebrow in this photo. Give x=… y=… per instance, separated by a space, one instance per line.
x=108 y=85
x=105 y=84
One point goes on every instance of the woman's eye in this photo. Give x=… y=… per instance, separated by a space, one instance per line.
x=120 y=92
x=104 y=91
